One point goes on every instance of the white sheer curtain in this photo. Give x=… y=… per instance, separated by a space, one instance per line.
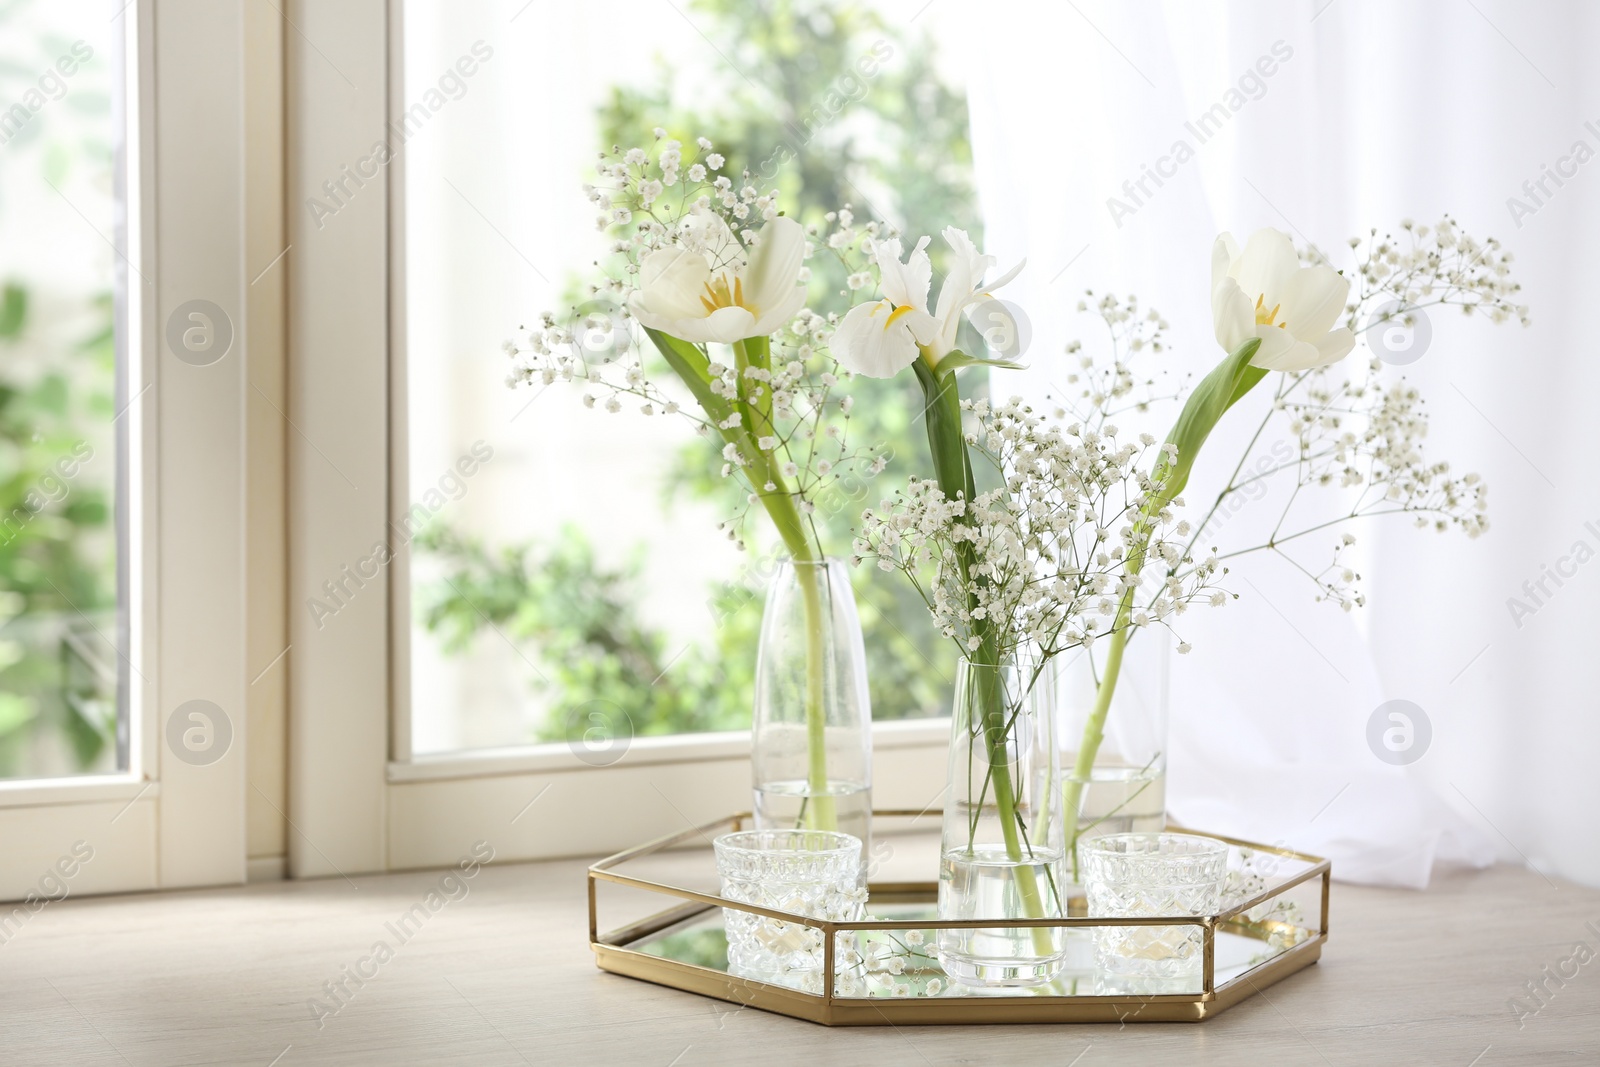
x=1373 y=112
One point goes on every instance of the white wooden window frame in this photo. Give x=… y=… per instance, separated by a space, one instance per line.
x=359 y=801
x=166 y=822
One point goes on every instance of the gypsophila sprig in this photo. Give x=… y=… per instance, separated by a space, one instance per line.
x=1364 y=436
x=1120 y=380
x=1050 y=549
x=1428 y=266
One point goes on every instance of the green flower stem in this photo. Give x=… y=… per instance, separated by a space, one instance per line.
x=692 y=366
x=810 y=572
x=1094 y=729
x=953 y=468
x=819 y=811
x=1223 y=387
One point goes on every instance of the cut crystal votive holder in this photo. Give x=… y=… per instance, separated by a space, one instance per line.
x=802 y=872
x=1150 y=875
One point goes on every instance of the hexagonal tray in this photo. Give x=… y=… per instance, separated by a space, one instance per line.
x=1265 y=933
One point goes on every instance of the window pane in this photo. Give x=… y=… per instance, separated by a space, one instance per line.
x=60 y=134
x=579 y=565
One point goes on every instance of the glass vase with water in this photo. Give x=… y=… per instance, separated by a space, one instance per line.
x=1118 y=784
x=811 y=748
x=1002 y=841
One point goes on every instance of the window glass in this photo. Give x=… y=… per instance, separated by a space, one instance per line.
x=566 y=558
x=60 y=632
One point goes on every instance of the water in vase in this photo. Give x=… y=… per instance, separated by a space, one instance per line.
x=792 y=805
x=988 y=884
x=1117 y=800
x=1123 y=800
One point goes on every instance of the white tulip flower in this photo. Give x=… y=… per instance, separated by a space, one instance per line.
x=704 y=289
x=1265 y=292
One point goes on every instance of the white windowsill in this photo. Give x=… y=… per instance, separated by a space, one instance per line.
x=89 y=789
x=642 y=752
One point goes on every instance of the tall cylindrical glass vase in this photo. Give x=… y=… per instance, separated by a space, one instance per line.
x=811 y=749
x=1002 y=847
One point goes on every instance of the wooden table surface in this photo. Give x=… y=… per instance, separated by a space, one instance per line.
x=503 y=975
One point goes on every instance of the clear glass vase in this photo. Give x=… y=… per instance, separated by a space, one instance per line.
x=1119 y=785
x=1003 y=845
x=811 y=749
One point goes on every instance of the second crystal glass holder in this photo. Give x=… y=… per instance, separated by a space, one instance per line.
x=1266 y=931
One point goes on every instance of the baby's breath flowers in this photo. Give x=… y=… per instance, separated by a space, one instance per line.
x=1107 y=386
x=1280 y=921
x=881 y=964
x=1428 y=266
x=1050 y=546
x=1363 y=437
x=1047 y=562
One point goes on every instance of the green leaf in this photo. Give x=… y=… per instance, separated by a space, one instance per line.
x=1247 y=381
x=955 y=360
x=688 y=362
x=691 y=366
x=86 y=512
x=1218 y=391
x=759 y=350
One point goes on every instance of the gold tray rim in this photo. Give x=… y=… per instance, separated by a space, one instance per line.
x=613 y=955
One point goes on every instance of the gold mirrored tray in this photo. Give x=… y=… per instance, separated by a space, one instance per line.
x=884 y=970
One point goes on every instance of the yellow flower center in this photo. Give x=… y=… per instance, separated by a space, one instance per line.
x=1268 y=318
x=719 y=296
x=900 y=311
